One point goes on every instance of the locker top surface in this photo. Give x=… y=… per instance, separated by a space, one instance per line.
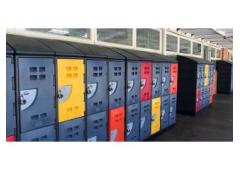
x=192 y=60
x=61 y=48
x=9 y=50
x=127 y=55
x=96 y=51
x=28 y=46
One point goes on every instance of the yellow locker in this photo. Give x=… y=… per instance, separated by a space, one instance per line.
x=156 y=107
x=206 y=81
x=206 y=70
x=71 y=88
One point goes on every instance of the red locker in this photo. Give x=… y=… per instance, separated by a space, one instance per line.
x=211 y=90
x=211 y=100
x=10 y=138
x=116 y=124
x=174 y=77
x=198 y=94
x=146 y=81
x=197 y=106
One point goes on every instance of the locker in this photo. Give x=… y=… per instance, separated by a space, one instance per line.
x=39 y=135
x=198 y=106
x=116 y=83
x=211 y=89
x=10 y=97
x=145 y=120
x=97 y=89
x=165 y=112
x=172 y=109
x=206 y=81
x=198 y=94
x=97 y=127
x=10 y=138
x=146 y=80
x=132 y=122
x=156 y=79
x=165 y=79
x=211 y=99
x=72 y=130
x=206 y=70
x=37 y=93
x=199 y=71
x=155 y=116
x=133 y=82
x=199 y=83
x=174 y=77
x=71 y=89
x=116 y=124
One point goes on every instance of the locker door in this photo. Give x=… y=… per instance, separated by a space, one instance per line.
x=145 y=120
x=116 y=124
x=199 y=71
x=172 y=110
x=146 y=80
x=197 y=106
x=206 y=70
x=132 y=122
x=97 y=88
x=72 y=130
x=10 y=97
x=156 y=79
x=174 y=77
x=97 y=127
x=133 y=82
x=37 y=93
x=39 y=135
x=198 y=94
x=116 y=83
x=199 y=83
x=71 y=89
x=155 y=117
x=165 y=79
x=203 y=70
x=165 y=112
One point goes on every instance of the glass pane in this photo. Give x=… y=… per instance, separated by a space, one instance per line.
x=197 y=48
x=119 y=36
x=81 y=32
x=185 y=46
x=218 y=53
x=148 y=38
x=171 y=43
x=213 y=50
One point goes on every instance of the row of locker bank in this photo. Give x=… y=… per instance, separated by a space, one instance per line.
x=68 y=91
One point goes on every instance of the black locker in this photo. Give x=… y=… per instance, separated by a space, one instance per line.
x=97 y=88
x=72 y=130
x=133 y=123
x=35 y=77
x=145 y=120
x=156 y=79
x=40 y=135
x=172 y=109
x=165 y=78
x=10 y=93
x=97 y=127
x=116 y=85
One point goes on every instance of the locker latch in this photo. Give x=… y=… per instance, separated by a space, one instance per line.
x=64 y=92
x=142 y=121
x=163 y=80
x=163 y=113
x=92 y=139
x=112 y=87
x=91 y=89
x=130 y=85
x=113 y=135
x=129 y=127
x=27 y=97
x=154 y=82
x=143 y=83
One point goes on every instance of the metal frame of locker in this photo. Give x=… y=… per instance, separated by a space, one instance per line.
x=30 y=48
x=10 y=95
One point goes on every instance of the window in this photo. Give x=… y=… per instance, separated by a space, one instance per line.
x=119 y=36
x=206 y=52
x=172 y=43
x=213 y=50
x=218 y=53
x=81 y=33
x=148 y=38
x=197 y=48
x=185 y=46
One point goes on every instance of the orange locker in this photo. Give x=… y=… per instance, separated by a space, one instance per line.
x=174 y=77
x=116 y=124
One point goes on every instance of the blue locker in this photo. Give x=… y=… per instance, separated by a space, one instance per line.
x=200 y=71
x=97 y=88
x=43 y=134
x=72 y=130
x=37 y=93
x=199 y=82
x=156 y=79
x=164 y=112
x=133 y=82
x=133 y=122
x=116 y=83
x=10 y=97
x=97 y=127
x=145 y=120
x=172 y=109
x=165 y=79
